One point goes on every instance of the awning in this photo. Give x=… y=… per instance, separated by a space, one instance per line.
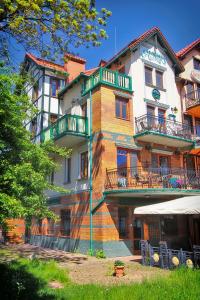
x=182 y=206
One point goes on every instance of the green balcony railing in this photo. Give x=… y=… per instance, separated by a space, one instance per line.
x=108 y=77
x=67 y=124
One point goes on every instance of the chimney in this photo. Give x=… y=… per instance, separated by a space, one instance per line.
x=74 y=65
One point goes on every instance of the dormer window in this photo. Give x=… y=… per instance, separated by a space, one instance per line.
x=196 y=63
x=55 y=85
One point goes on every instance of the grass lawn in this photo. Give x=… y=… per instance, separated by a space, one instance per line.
x=29 y=279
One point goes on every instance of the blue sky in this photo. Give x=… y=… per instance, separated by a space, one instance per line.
x=178 y=21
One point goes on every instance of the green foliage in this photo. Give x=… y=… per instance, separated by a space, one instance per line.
x=90 y=252
x=62 y=23
x=118 y=263
x=25 y=279
x=99 y=253
x=24 y=167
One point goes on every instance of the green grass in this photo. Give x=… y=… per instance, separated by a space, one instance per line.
x=26 y=279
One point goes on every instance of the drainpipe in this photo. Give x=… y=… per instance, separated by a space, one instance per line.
x=90 y=179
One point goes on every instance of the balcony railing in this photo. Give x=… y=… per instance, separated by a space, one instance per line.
x=149 y=177
x=68 y=124
x=109 y=77
x=192 y=99
x=163 y=126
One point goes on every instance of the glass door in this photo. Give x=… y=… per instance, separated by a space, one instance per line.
x=164 y=165
x=137 y=234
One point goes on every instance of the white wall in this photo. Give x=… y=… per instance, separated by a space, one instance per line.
x=141 y=91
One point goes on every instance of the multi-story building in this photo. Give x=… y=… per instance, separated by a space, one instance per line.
x=133 y=133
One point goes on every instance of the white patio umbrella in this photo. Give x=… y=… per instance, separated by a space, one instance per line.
x=182 y=206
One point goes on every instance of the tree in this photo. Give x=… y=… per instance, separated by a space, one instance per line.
x=24 y=166
x=52 y=26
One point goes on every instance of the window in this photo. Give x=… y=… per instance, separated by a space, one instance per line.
x=52 y=178
x=84 y=109
x=55 y=84
x=122 y=108
x=159 y=79
x=50 y=228
x=148 y=75
x=188 y=122
x=150 y=115
x=53 y=118
x=34 y=127
x=196 y=63
x=190 y=90
x=84 y=164
x=169 y=226
x=67 y=170
x=161 y=116
x=65 y=223
x=35 y=92
x=122 y=218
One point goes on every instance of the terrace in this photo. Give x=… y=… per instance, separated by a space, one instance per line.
x=192 y=102
x=68 y=125
x=147 y=177
x=107 y=77
x=163 y=131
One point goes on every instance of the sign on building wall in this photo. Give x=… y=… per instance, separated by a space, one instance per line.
x=152 y=56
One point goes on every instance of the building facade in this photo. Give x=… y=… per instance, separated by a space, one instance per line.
x=132 y=124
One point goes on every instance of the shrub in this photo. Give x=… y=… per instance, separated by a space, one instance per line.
x=99 y=253
x=118 y=263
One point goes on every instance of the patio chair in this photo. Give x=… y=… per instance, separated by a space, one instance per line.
x=164 y=255
x=187 y=258
x=154 y=256
x=174 y=258
x=196 y=252
x=144 y=252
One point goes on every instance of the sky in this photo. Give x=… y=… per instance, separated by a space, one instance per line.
x=178 y=21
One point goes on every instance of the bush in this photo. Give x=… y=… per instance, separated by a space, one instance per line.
x=119 y=263
x=99 y=253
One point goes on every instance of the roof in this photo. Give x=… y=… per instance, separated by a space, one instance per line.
x=149 y=33
x=188 y=48
x=75 y=58
x=91 y=71
x=45 y=63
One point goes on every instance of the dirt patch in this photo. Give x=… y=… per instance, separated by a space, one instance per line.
x=85 y=269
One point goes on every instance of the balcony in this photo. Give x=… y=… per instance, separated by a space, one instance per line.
x=163 y=131
x=107 y=77
x=67 y=130
x=192 y=102
x=152 y=178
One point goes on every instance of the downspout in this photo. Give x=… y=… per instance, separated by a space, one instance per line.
x=90 y=179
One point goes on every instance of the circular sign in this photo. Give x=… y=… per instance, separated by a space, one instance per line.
x=156 y=94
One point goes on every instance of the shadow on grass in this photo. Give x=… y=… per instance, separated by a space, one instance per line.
x=16 y=283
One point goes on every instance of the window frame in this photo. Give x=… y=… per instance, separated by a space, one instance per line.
x=145 y=75
x=121 y=101
x=123 y=214
x=67 y=170
x=196 y=60
x=162 y=82
x=57 y=86
x=84 y=166
x=65 y=213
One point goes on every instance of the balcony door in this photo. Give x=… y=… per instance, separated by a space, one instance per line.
x=160 y=164
x=197 y=124
x=150 y=116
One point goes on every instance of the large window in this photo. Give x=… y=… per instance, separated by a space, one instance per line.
x=122 y=108
x=122 y=217
x=159 y=79
x=190 y=89
x=67 y=170
x=169 y=226
x=35 y=91
x=196 y=63
x=65 y=222
x=161 y=116
x=148 y=75
x=84 y=164
x=55 y=84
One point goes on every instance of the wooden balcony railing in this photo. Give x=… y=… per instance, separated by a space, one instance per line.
x=192 y=99
x=67 y=124
x=109 y=77
x=163 y=126
x=149 y=177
